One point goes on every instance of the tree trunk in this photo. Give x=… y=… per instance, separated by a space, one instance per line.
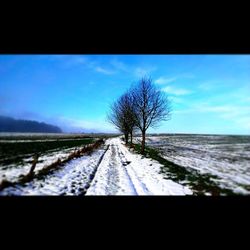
x=126 y=138
x=143 y=142
x=131 y=138
x=35 y=160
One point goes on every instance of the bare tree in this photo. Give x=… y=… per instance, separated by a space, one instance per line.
x=127 y=107
x=150 y=106
x=122 y=115
x=117 y=118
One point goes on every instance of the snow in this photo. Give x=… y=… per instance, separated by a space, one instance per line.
x=110 y=170
x=70 y=179
x=124 y=173
x=226 y=157
x=12 y=172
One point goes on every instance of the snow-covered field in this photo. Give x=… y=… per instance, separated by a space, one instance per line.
x=227 y=157
x=15 y=162
x=13 y=171
x=71 y=179
x=110 y=170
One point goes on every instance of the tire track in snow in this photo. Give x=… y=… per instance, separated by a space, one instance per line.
x=74 y=178
x=123 y=163
x=92 y=175
x=139 y=186
x=114 y=176
x=111 y=177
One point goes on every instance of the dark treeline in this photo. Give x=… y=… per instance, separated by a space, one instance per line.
x=8 y=124
x=140 y=107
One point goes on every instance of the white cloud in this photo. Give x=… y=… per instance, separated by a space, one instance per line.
x=210 y=85
x=186 y=75
x=136 y=71
x=79 y=60
x=165 y=80
x=119 y=65
x=226 y=111
x=216 y=109
x=236 y=114
x=68 y=60
x=176 y=100
x=141 y=72
x=104 y=71
x=176 y=91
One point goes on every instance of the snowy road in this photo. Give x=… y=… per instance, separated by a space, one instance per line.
x=111 y=170
x=122 y=172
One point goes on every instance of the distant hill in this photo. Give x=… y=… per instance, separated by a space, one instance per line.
x=8 y=124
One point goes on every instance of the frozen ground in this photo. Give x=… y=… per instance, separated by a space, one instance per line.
x=227 y=157
x=13 y=171
x=111 y=170
x=124 y=173
x=71 y=179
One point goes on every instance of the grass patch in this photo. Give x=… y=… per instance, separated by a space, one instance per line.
x=199 y=183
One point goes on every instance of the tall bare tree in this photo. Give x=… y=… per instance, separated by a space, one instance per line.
x=117 y=118
x=122 y=115
x=150 y=106
x=127 y=106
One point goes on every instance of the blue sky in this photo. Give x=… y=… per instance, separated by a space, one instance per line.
x=209 y=93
